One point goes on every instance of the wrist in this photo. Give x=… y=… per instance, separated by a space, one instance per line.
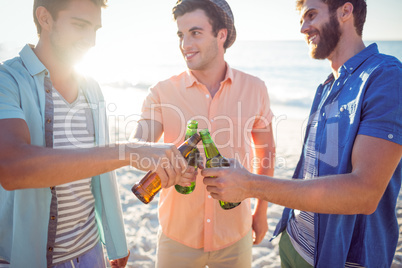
x=250 y=185
x=129 y=153
x=254 y=186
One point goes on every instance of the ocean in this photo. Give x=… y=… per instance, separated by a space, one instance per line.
x=291 y=78
x=286 y=68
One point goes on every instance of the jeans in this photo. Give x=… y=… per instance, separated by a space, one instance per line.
x=92 y=259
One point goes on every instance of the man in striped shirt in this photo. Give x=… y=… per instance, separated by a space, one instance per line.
x=341 y=210
x=58 y=194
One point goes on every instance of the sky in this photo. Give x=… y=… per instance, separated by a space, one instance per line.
x=137 y=34
x=150 y=21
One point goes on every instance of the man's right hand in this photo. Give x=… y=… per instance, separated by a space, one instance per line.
x=163 y=158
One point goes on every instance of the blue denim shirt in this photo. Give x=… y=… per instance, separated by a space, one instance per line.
x=25 y=225
x=365 y=100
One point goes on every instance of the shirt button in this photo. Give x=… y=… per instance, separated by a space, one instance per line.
x=208 y=220
x=323 y=114
x=46 y=73
x=342 y=109
x=49 y=121
x=52 y=218
x=212 y=120
x=47 y=91
x=209 y=196
x=390 y=136
x=50 y=249
x=207 y=96
x=52 y=188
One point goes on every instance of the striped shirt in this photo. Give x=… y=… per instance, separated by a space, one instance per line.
x=301 y=226
x=76 y=232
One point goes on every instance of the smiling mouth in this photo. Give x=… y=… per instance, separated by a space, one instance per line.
x=189 y=56
x=311 y=39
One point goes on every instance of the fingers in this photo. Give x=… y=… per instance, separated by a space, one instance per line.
x=258 y=238
x=188 y=177
x=119 y=263
x=182 y=163
x=207 y=173
x=172 y=165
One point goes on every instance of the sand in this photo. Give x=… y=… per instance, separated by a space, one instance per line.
x=141 y=221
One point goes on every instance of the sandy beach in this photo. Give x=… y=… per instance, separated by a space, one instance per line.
x=141 y=221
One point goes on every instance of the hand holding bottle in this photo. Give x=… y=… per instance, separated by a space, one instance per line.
x=162 y=158
x=151 y=184
x=187 y=178
x=228 y=184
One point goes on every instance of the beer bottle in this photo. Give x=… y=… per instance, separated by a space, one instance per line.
x=192 y=158
x=215 y=159
x=150 y=185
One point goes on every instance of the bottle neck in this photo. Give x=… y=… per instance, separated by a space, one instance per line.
x=190 y=132
x=186 y=147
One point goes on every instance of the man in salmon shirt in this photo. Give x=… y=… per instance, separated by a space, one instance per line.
x=235 y=107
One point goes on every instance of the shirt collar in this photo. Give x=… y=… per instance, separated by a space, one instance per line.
x=31 y=61
x=191 y=79
x=353 y=63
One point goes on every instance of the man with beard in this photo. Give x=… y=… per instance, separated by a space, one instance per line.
x=340 y=207
x=58 y=194
x=234 y=106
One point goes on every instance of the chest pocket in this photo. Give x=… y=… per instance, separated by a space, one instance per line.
x=340 y=122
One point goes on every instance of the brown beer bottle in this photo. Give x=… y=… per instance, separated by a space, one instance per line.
x=215 y=159
x=150 y=185
x=192 y=158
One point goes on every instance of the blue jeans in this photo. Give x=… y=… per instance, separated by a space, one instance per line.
x=92 y=259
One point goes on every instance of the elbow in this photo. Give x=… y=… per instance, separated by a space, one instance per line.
x=7 y=186
x=370 y=203
x=369 y=208
x=7 y=181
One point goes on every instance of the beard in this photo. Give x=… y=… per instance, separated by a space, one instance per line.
x=330 y=35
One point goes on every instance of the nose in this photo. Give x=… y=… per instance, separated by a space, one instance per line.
x=304 y=26
x=90 y=38
x=185 y=42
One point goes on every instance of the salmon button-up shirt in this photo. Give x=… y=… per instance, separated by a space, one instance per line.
x=240 y=106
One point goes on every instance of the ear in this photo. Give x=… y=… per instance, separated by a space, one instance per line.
x=222 y=35
x=44 y=18
x=346 y=12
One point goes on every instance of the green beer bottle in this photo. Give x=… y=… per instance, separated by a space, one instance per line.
x=192 y=158
x=215 y=159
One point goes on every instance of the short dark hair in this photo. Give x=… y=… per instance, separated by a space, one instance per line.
x=54 y=6
x=217 y=22
x=359 y=10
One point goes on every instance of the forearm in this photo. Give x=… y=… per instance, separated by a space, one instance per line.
x=36 y=167
x=261 y=204
x=338 y=194
x=266 y=160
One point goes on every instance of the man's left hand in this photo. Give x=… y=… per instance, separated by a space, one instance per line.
x=120 y=263
x=260 y=227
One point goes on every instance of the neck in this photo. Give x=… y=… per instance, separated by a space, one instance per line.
x=57 y=69
x=212 y=77
x=346 y=49
x=61 y=74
